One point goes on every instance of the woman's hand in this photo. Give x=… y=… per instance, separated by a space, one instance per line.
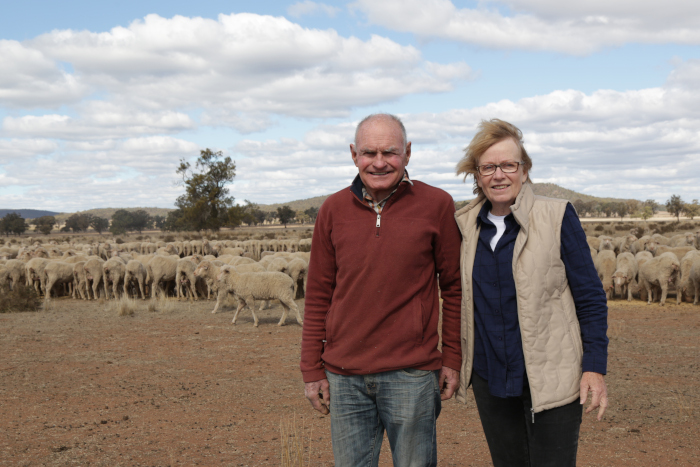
x=595 y=383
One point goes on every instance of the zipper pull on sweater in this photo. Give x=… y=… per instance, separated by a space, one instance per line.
x=379 y=221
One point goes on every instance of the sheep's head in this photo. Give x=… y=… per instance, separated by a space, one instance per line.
x=225 y=272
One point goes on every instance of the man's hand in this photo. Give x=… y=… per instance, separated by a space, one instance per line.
x=599 y=392
x=319 y=395
x=448 y=383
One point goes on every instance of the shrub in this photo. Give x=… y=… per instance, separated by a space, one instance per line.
x=118 y=241
x=270 y=235
x=124 y=306
x=139 y=237
x=599 y=227
x=168 y=238
x=668 y=227
x=21 y=298
x=686 y=226
x=621 y=227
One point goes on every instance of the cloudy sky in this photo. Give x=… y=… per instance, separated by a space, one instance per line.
x=98 y=103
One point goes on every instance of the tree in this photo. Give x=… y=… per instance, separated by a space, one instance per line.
x=312 y=213
x=122 y=221
x=174 y=222
x=674 y=205
x=13 y=223
x=205 y=202
x=302 y=217
x=158 y=222
x=140 y=220
x=691 y=209
x=580 y=206
x=285 y=214
x=44 y=224
x=99 y=224
x=79 y=222
x=653 y=205
x=647 y=212
x=621 y=208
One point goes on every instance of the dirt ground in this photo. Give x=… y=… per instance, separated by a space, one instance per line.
x=80 y=385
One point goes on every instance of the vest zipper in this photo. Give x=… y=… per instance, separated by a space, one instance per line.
x=379 y=221
x=532 y=411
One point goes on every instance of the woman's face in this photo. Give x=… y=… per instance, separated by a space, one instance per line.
x=502 y=188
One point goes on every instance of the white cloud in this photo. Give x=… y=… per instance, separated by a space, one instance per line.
x=307 y=7
x=30 y=79
x=542 y=25
x=11 y=149
x=244 y=64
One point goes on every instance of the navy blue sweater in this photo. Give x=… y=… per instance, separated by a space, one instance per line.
x=498 y=350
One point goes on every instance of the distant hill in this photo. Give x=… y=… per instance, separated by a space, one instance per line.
x=543 y=189
x=106 y=213
x=28 y=213
x=299 y=205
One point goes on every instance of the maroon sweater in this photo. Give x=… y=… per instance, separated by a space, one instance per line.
x=372 y=290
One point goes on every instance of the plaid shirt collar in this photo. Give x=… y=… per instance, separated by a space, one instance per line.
x=379 y=205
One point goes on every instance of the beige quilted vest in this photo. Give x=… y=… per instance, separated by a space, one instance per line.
x=550 y=331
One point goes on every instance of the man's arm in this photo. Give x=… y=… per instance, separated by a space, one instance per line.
x=447 y=254
x=319 y=292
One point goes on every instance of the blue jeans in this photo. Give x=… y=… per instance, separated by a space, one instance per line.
x=404 y=402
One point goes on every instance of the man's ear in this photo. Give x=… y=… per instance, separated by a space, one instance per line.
x=353 y=154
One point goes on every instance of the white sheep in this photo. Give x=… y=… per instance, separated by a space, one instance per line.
x=135 y=271
x=605 y=264
x=57 y=273
x=249 y=287
x=684 y=283
x=625 y=274
x=661 y=271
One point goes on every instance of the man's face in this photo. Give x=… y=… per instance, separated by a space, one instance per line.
x=380 y=156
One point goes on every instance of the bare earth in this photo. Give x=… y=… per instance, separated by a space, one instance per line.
x=80 y=385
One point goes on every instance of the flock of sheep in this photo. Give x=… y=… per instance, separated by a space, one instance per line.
x=648 y=266
x=273 y=269
x=249 y=270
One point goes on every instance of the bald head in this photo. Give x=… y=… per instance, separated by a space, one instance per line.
x=386 y=117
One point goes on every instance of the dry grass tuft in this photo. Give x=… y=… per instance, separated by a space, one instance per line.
x=292 y=444
x=124 y=306
x=152 y=306
x=22 y=298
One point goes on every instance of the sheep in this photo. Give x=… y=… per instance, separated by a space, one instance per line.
x=606 y=243
x=684 y=239
x=679 y=251
x=240 y=260
x=35 y=273
x=694 y=278
x=625 y=274
x=184 y=275
x=16 y=271
x=662 y=271
x=56 y=273
x=641 y=258
x=639 y=245
x=80 y=280
x=297 y=269
x=253 y=286
x=661 y=239
x=134 y=271
x=605 y=265
x=684 y=283
x=209 y=271
x=161 y=269
x=113 y=272
x=94 y=273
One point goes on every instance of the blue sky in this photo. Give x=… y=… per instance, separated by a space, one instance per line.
x=100 y=100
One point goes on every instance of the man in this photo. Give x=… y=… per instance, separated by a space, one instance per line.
x=370 y=341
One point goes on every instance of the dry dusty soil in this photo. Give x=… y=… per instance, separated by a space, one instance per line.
x=80 y=385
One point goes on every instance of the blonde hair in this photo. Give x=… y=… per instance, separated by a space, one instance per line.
x=491 y=132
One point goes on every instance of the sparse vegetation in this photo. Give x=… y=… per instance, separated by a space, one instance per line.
x=21 y=298
x=124 y=306
x=293 y=444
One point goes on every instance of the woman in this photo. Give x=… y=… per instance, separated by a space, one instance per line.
x=534 y=313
